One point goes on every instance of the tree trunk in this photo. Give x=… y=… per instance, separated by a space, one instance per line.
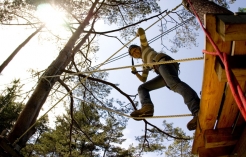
x=6 y=62
x=29 y=114
x=205 y=6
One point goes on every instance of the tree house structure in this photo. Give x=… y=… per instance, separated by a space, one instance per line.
x=221 y=131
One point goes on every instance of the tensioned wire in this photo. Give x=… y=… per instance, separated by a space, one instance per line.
x=90 y=73
x=151 y=40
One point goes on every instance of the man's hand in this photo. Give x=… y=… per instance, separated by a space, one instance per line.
x=134 y=70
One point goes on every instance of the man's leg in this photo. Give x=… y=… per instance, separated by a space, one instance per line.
x=147 y=109
x=191 y=99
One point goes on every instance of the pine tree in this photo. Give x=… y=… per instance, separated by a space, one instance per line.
x=179 y=147
x=243 y=10
x=90 y=136
x=9 y=108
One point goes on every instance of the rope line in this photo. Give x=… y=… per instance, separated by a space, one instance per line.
x=125 y=115
x=90 y=73
x=139 y=65
x=170 y=30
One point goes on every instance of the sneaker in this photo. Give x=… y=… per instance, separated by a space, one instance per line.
x=145 y=111
x=193 y=122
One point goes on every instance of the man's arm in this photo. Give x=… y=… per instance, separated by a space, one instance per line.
x=144 y=75
x=142 y=36
x=144 y=44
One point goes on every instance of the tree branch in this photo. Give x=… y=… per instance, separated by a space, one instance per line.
x=105 y=82
x=71 y=111
x=116 y=30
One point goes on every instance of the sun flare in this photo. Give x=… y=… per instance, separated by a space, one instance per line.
x=51 y=17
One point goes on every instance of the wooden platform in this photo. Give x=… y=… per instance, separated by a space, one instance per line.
x=221 y=130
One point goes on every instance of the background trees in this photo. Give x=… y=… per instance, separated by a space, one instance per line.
x=180 y=148
x=90 y=135
x=68 y=79
x=9 y=108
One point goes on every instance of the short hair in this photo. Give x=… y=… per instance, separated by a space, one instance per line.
x=131 y=47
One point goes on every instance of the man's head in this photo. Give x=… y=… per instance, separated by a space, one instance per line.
x=135 y=51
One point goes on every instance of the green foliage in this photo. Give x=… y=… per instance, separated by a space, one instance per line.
x=243 y=10
x=185 y=36
x=223 y=3
x=91 y=136
x=42 y=126
x=153 y=141
x=9 y=109
x=180 y=148
x=9 y=8
x=36 y=2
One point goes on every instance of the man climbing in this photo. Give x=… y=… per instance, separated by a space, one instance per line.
x=167 y=76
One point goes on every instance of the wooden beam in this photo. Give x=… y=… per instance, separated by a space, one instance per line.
x=229 y=107
x=212 y=88
x=222 y=137
x=215 y=152
x=221 y=74
x=237 y=65
x=231 y=27
x=240 y=148
x=4 y=144
x=238 y=48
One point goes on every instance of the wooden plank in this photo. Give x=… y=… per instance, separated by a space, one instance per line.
x=236 y=63
x=212 y=91
x=229 y=108
x=221 y=137
x=240 y=120
x=215 y=152
x=238 y=48
x=240 y=73
x=212 y=88
x=208 y=109
x=240 y=149
x=231 y=27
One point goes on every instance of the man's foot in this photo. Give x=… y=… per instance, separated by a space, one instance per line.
x=145 y=111
x=193 y=122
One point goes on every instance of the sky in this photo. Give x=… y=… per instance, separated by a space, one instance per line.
x=41 y=54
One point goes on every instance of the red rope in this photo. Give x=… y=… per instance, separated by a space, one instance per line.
x=233 y=83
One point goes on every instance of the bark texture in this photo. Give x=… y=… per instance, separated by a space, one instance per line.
x=205 y=6
x=9 y=59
